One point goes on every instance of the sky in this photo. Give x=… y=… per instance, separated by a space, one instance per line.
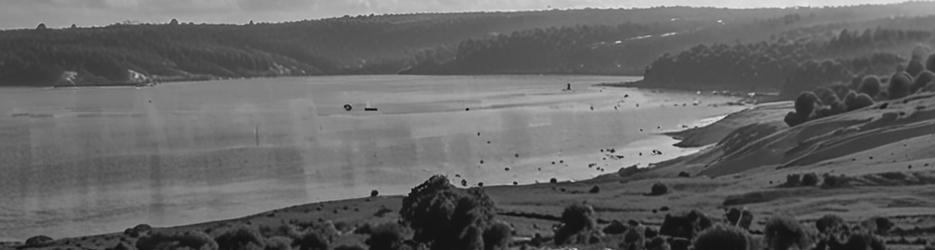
x=63 y=13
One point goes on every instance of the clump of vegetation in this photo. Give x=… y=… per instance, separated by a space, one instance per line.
x=685 y=225
x=659 y=189
x=810 y=179
x=615 y=227
x=578 y=225
x=899 y=85
x=878 y=225
x=38 y=241
x=278 y=243
x=634 y=239
x=922 y=81
x=389 y=236
x=721 y=237
x=446 y=217
x=870 y=86
x=498 y=237
x=240 y=238
x=829 y=224
x=805 y=104
x=792 y=119
x=312 y=241
x=793 y=180
x=783 y=232
x=739 y=218
x=345 y=247
x=163 y=240
x=835 y=181
x=858 y=101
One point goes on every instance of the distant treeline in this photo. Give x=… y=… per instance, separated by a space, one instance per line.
x=790 y=66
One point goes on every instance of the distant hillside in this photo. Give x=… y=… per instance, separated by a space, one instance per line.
x=588 y=41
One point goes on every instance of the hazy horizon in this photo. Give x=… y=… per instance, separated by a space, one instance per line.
x=63 y=13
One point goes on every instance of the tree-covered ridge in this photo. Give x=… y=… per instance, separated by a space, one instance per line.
x=791 y=66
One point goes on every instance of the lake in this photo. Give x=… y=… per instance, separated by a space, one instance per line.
x=79 y=161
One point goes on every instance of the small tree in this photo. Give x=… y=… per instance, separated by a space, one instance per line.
x=578 y=224
x=739 y=218
x=240 y=238
x=810 y=179
x=782 y=233
x=312 y=241
x=442 y=215
x=389 y=236
x=930 y=63
x=174 y=22
x=659 y=189
x=685 y=225
x=829 y=224
x=870 y=86
x=915 y=67
x=922 y=80
x=721 y=237
x=792 y=119
x=805 y=104
x=859 y=101
x=899 y=85
x=498 y=237
x=41 y=26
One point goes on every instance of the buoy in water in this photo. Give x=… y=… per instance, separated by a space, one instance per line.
x=347 y=107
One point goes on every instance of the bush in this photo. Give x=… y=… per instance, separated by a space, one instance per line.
x=442 y=215
x=578 y=224
x=240 y=238
x=121 y=246
x=856 y=241
x=930 y=63
x=835 y=181
x=859 y=101
x=922 y=80
x=389 y=236
x=615 y=227
x=346 y=247
x=38 y=241
x=915 y=67
x=739 y=218
x=870 y=86
x=312 y=241
x=783 y=232
x=634 y=239
x=899 y=85
x=659 y=189
x=805 y=104
x=879 y=225
x=792 y=119
x=810 y=179
x=793 y=180
x=278 y=243
x=685 y=225
x=163 y=240
x=826 y=96
x=595 y=189
x=498 y=237
x=721 y=237
x=829 y=224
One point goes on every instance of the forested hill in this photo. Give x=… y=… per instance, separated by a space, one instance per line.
x=593 y=41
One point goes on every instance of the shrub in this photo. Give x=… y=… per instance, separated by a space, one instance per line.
x=38 y=241
x=163 y=240
x=634 y=239
x=721 y=237
x=739 y=218
x=793 y=180
x=792 y=119
x=782 y=232
x=578 y=224
x=615 y=227
x=311 y=241
x=240 y=238
x=930 y=63
x=278 y=243
x=595 y=189
x=879 y=225
x=685 y=225
x=859 y=101
x=829 y=224
x=922 y=80
x=810 y=179
x=835 y=181
x=389 y=236
x=498 y=237
x=870 y=86
x=659 y=189
x=441 y=215
x=346 y=247
x=899 y=85
x=915 y=67
x=857 y=241
x=122 y=246
x=826 y=96
x=805 y=104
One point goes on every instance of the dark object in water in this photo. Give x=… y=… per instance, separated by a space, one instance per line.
x=348 y=107
x=370 y=109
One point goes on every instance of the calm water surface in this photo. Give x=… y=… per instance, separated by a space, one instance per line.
x=98 y=160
